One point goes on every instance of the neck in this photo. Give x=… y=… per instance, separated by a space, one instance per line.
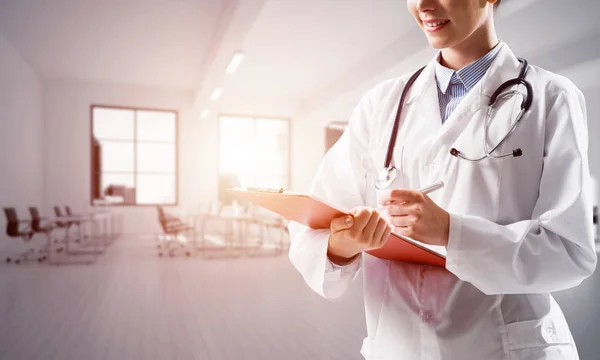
x=473 y=48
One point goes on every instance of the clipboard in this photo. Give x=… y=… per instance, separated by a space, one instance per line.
x=317 y=214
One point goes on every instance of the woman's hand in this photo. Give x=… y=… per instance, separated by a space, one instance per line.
x=415 y=215
x=352 y=234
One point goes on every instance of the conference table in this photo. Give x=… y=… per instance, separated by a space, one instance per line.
x=96 y=231
x=237 y=235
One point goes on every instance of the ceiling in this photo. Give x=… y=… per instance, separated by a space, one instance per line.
x=302 y=54
x=294 y=47
x=159 y=43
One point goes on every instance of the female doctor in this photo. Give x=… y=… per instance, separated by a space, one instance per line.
x=515 y=219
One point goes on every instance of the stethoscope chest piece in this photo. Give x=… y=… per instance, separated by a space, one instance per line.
x=386 y=177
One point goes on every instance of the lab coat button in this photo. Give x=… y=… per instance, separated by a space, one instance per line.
x=549 y=332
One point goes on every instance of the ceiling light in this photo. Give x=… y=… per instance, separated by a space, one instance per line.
x=204 y=114
x=216 y=94
x=236 y=60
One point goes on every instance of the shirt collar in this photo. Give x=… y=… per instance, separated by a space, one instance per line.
x=469 y=75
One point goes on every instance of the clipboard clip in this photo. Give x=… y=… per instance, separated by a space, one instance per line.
x=266 y=190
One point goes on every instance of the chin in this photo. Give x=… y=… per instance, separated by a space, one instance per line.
x=442 y=42
x=438 y=43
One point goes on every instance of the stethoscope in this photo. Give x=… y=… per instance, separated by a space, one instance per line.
x=389 y=173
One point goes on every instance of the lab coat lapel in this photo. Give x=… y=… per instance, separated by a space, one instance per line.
x=422 y=111
x=419 y=118
x=506 y=66
x=428 y=109
x=503 y=68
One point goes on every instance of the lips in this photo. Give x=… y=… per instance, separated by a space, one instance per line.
x=434 y=25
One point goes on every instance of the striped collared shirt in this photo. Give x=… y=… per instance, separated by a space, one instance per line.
x=454 y=85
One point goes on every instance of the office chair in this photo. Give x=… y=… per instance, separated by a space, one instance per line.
x=14 y=230
x=172 y=227
x=69 y=212
x=84 y=248
x=64 y=224
x=77 y=223
x=38 y=228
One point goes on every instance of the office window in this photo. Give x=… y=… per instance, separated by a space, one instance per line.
x=134 y=156
x=255 y=151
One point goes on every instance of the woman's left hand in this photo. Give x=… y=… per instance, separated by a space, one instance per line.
x=415 y=215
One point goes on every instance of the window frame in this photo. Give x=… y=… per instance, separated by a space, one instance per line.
x=255 y=117
x=135 y=109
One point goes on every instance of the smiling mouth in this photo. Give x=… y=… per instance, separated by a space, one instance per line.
x=435 y=25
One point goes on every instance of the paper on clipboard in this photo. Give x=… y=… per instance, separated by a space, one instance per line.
x=317 y=213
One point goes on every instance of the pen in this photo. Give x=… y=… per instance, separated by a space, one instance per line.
x=431 y=188
x=425 y=190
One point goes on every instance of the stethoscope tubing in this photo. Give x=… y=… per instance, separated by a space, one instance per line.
x=389 y=172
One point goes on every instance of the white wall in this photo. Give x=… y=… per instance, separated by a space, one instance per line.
x=592 y=96
x=587 y=77
x=21 y=170
x=67 y=146
x=308 y=140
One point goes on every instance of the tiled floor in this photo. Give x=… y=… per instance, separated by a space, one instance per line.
x=133 y=305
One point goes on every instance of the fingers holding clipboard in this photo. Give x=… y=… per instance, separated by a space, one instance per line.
x=317 y=214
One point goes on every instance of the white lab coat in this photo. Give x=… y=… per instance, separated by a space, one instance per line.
x=520 y=228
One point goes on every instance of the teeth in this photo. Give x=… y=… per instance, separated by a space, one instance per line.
x=435 y=24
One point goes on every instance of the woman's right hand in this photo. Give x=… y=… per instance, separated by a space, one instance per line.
x=365 y=229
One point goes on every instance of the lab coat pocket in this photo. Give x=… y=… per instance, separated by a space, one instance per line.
x=539 y=339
